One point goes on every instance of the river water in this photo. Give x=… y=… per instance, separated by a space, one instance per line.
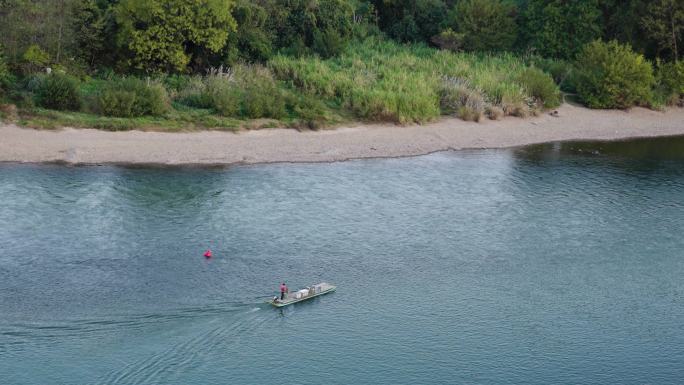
x=559 y=263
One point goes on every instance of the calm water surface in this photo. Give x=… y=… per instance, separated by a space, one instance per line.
x=561 y=263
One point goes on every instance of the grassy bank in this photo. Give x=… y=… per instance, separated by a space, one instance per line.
x=383 y=81
x=375 y=80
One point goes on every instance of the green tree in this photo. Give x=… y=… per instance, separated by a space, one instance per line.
x=486 y=25
x=409 y=20
x=35 y=59
x=166 y=35
x=45 y=23
x=90 y=32
x=621 y=21
x=301 y=26
x=5 y=75
x=611 y=75
x=252 y=40
x=559 y=28
x=664 y=23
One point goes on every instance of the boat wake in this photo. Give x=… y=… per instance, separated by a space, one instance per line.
x=167 y=364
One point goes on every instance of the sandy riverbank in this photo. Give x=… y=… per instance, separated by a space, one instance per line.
x=364 y=141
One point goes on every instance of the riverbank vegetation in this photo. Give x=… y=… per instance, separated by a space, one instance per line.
x=230 y=64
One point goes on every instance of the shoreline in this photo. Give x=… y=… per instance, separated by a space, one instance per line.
x=213 y=148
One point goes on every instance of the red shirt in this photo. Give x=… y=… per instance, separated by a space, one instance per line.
x=283 y=288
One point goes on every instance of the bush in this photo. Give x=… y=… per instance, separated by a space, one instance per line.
x=117 y=102
x=541 y=87
x=459 y=97
x=611 y=75
x=194 y=93
x=670 y=82
x=510 y=97
x=328 y=43
x=131 y=97
x=310 y=111
x=494 y=112
x=562 y=72
x=448 y=40
x=261 y=96
x=222 y=95
x=248 y=91
x=57 y=92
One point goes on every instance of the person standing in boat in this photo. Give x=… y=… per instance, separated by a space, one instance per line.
x=283 y=291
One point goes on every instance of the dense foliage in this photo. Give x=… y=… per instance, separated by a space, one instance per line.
x=5 y=76
x=670 y=80
x=165 y=35
x=559 y=28
x=130 y=97
x=57 y=91
x=485 y=25
x=317 y=61
x=611 y=75
x=385 y=81
x=191 y=35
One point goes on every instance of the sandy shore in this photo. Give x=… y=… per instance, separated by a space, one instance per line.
x=85 y=146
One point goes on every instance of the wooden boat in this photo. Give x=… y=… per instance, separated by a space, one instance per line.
x=303 y=294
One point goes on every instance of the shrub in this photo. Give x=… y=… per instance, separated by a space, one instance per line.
x=328 y=43
x=57 y=92
x=176 y=83
x=131 y=97
x=494 y=112
x=310 y=111
x=249 y=91
x=561 y=71
x=261 y=95
x=194 y=93
x=117 y=102
x=670 y=82
x=459 y=97
x=541 y=87
x=222 y=95
x=510 y=97
x=611 y=75
x=448 y=40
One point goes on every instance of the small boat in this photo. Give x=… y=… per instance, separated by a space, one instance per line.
x=303 y=294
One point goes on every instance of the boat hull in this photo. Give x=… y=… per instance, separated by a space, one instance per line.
x=292 y=300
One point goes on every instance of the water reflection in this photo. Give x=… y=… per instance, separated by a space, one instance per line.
x=641 y=158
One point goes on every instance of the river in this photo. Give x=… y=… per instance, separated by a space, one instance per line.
x=552 y=264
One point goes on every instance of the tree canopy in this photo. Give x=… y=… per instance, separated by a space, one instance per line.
x=486 y=25
x=165 y=35
x=183 y=36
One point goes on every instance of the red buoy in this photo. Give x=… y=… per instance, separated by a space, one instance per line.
x=207 y=254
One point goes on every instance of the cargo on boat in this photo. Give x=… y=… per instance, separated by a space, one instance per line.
x=303 y=294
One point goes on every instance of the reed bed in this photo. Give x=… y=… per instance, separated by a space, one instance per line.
x=385 y=81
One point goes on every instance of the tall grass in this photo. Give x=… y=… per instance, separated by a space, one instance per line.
x=373 y=80
x=383 y=80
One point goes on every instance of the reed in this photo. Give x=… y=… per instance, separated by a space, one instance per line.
x=381 y=80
